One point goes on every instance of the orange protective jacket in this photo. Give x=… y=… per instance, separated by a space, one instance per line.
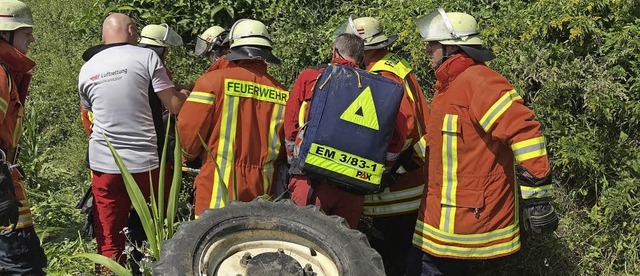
x=238 y=111
x=403 y=197
x=478 y=126
x=13 y=93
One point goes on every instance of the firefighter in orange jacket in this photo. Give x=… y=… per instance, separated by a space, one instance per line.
x=20 y=250
x=237 y=111
x=394 y=211
x=478 y=127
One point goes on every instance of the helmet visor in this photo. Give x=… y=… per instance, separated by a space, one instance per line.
x=347 y=27
x=436 y=26
x=171 y=37
x=202 y=46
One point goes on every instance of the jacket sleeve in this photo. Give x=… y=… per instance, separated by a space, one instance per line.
x=296 y=98
x=195 y=119
x=500 y=111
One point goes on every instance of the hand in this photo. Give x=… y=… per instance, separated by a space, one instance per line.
x=540 y=218
x=389 y=179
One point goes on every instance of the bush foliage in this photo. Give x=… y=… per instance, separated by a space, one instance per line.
x=575 y=62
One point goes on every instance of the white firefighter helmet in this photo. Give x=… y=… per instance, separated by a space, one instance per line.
x=159 y=35
x=368 y=28
x=249 y=32
x=449 y=28
x=214 y=36
x=454 y=28
x=14 y=15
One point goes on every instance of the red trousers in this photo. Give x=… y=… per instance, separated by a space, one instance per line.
x=111 y=208
x=331 y=200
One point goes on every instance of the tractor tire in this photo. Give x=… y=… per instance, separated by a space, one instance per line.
x=267 y=238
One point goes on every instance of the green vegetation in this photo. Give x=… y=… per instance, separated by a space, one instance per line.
x=575 y=63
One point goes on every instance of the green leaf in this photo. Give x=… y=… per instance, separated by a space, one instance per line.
x=137 y=200
x=175 y=185
x=106 y=262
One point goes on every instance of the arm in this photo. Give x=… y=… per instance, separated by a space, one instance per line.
x=173 y=99
x=504 y=116
x=500 y=111
x=296 y=97
x=196 y=119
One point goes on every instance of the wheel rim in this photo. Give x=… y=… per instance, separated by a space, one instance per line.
x=228 y=255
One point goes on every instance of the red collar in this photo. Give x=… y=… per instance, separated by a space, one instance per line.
x=13 y=59
x=451 y=68
x=339 y=60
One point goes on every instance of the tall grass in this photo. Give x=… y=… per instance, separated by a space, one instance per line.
x=157 y=224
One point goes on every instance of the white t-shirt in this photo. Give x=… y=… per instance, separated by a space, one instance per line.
x=114 y=85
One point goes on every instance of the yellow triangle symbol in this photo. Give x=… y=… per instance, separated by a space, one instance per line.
x=362 y=111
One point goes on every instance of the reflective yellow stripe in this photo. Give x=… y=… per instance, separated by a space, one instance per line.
x=25 y=219
x=90 y=117
x=498 y=108
x=464 y=252
x=470 y=239
x=17 y=132
x=407 y=90
x=449 y=175
x=389 y=209
x=9 y=80
x=345 y=163
x=273 y=147
x=201 y=97
x=224 y=157
x=421 y=147
x=256 y=91
x=531 y=148
x=388 y=196
x=3 y=105
x=391 y=63
x=536 y=192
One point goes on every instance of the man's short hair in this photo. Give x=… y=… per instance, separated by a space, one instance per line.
x=350 y=45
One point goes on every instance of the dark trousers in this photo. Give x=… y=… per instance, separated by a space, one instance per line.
x=393 y=241
x=21 y=253
x=423 y=264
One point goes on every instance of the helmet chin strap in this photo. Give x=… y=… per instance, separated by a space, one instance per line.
x=10 y=40
x=444 y=53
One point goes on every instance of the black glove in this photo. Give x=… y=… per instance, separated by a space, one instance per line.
x=538 y=213
x=8 y=203
x=540 y=218
x=389 y=179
